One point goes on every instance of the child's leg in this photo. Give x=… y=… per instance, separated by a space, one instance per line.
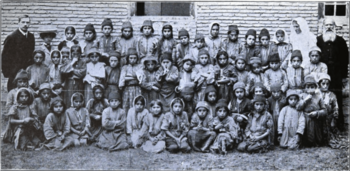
x=223 y=146
x=242 y=146
x=192 y=139
x=184 y=147
x=212 y=136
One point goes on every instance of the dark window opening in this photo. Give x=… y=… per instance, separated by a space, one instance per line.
x=341 y=10
x=329 y=10
x=162 y=9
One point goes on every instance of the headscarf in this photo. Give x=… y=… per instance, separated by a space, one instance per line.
x=286 y=37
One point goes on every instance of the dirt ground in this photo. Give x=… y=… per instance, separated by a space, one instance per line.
x=90 y=157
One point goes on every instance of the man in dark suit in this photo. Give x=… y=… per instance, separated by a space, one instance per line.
x=335 y=54
x=18 y=50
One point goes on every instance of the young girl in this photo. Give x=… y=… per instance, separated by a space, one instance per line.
x=79 y=119
x=205 y=72
x=211 y=97
x=255 y=75
x=90 y=37
x=275 y=104
x=258 y=130
x=331 y=103
x=55 y=74
x=70 y=38
x=153 y=135
x=225 y=76
x=239 y=108
x=182 y=48
x=95 y=106
x=201 y=135
x=213 y=41
x=249 y=49
x=199 y=44
x=129 y=82
x=314 y=108
x=167 y=43
x=23 y=125
x=291 y=123
x=232 y=45
x=95 y=73
x=41 y=105
x=57 y=126
x=175 y=124
x=147 y=43
x=275 y=75
x=126 y=41
x=168 y=76
x=226 y=129
x=284 y=48
x=77 y=70
x=113 y=73
x=113 y=135
x=134 y=121
x=38 y=73
x=240 y=65
x=295 y=73
x=149 y=84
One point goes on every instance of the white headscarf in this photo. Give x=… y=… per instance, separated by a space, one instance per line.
x=286 y=37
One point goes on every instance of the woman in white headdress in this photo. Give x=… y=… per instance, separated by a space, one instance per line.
x=301 y=38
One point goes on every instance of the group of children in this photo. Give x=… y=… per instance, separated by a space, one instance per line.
x=213 y=96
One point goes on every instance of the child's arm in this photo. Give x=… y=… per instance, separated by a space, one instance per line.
x=172 y=75
x=301 y=123
x=285 y=84
x=304 y=99
x=267 y=80
x=122 y=78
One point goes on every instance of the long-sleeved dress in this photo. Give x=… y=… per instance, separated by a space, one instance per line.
x=148 y=80
x=37 y=74
x=113 y=135
x=180 y=52
x=315 y=68
x=228 y=72
x=54 y=127
x=290 y=123
x=168 y=83
x=79 y=120
x=167 y=46
x=112 y=79
x=147 y=46
x=295 y=78
x=95 y=74
x=134 y=122
x=124 y=45
x=228 y=134
x=207 y=76
x=151 y=131
x=233 y=49
x=94 y=108
x=275 y=107
x=73 y=82
x=131 y=88
x=276 y=77
x=214 y=45
x=265 y=52
x=253 y=78
x=240 y=108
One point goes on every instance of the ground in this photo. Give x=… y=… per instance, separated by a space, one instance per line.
x=90 y=157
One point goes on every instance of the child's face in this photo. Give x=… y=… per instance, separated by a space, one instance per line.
x=23 y=97
x=250 y=40
x=76 y=54
x=280 y=37
x=259 y=106
x=69 y=35
x=187 y=66
x=265 y=40
x=296 y=62
x=147 y=30
x=274 y=65
x=184 y=40
x=126 y=32
x=58 y=108
x=240 y=65
x=222 y=60
x=38 y=58
x=166 y=33
x=88 y=35
x=296 y=27
x=256 y=68
x=293 y=100
x=221 y=113
x=139 y=106
x=324 y=84
x=177 y=108
x=239 y=93
x=98 y=94
x=78 y=102
x=58 y=90
x=94 y=58
x=107 y=30
x=114 y=103
x=65 y=57
x=156 y=110
x=132 y=59
x=55 y=58
x=22 y=83
x=202 y=112
x=203 y=59
x=166 y=63
x=233 y=36
x=215 y=31
x=199 y=43
x=48 y=39
x=113 y=61
x=310 y=88
x=188 y=97
x=258 y=90
x=276 y=94
x=150 y=65
x=211 y=97
x=314 y=57
x=45 y=95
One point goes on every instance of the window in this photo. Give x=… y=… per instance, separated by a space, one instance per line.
x=335 y=9
x=163 y=9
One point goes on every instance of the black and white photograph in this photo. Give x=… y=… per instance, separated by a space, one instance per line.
x=174 y=85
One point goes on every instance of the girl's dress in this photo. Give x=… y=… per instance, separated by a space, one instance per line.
x=168 y=84
x=55 y=126
x=151 y=129
x=131 y=87
x=95 y=107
